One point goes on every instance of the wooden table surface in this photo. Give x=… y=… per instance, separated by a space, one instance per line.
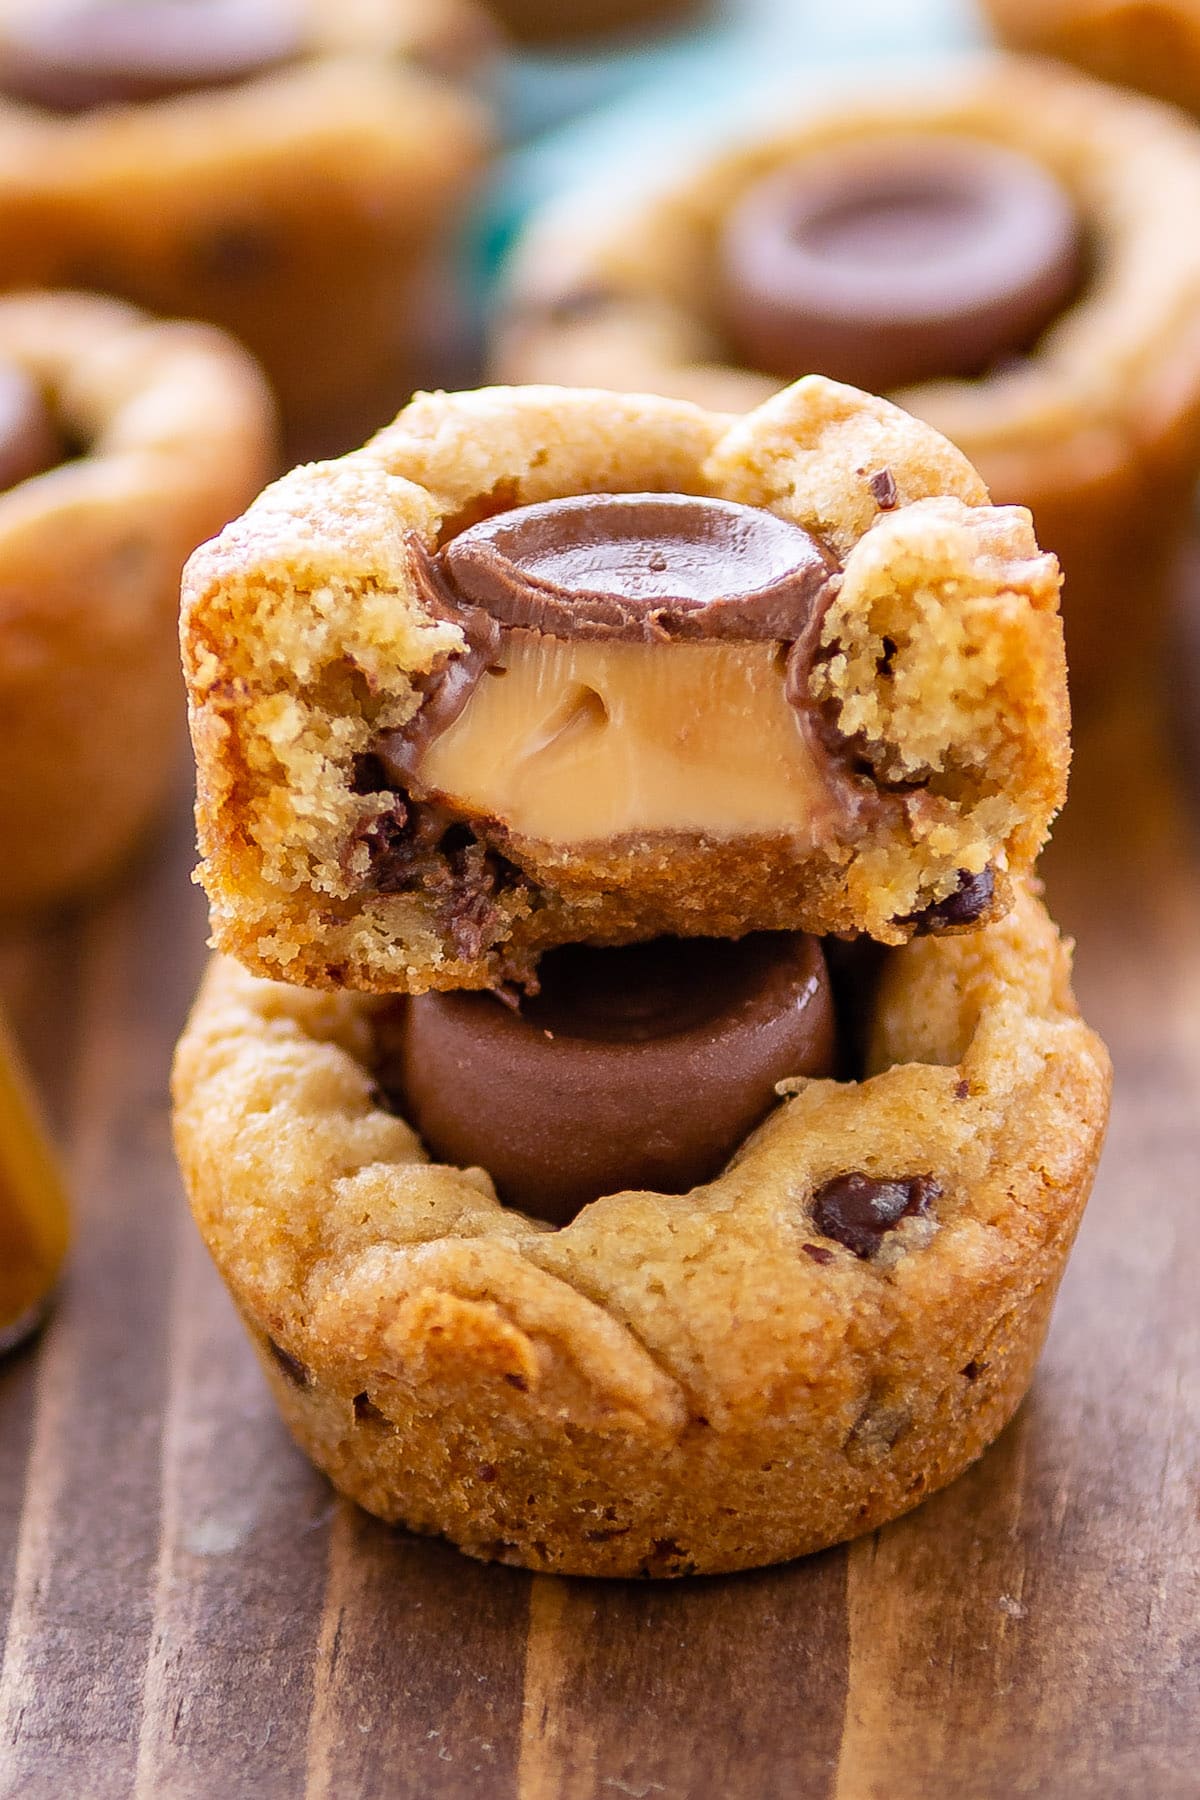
x=185 y=1609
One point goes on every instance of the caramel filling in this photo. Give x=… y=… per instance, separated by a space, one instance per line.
x=574 y=741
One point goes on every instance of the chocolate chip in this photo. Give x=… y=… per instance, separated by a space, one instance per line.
x=486 y=1472
x=368 y=775
x=366 y=1412
x=391 y=850
x=295 y=1370
x=962 y=1090
x=883 y=486
x=965 y=906
x=519 y=1382
x=459 y=837
x=974 y=1370
x=465 y=879
x=414 y=846
x=818 y=1253
x=857 y=1210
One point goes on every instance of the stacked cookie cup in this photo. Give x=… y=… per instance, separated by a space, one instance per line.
x=639 y=1108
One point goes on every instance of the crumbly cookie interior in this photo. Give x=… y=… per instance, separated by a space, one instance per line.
x=306 y=639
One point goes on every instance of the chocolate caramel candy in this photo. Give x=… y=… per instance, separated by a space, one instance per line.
x=74 y=55
x=897 y=260
x=29 y=442
x=642 y=1067
x=638 y=665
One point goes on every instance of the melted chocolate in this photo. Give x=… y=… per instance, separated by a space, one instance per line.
x=643 y=567
x=642 y=1067
x=446 y=689
x=898 y=260
x=85 y=54
x=971 y=899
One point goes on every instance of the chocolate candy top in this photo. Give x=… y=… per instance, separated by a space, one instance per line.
x=641 y=1067
x=645 y=567
x=897 y=260
x=29 y=442
x=73 y=55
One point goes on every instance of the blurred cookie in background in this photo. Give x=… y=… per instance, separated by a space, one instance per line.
x=1153 y=45
x=124 y=442
x=294 y=171
x=996 y=244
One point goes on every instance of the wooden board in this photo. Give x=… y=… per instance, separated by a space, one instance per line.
x=186 y=1611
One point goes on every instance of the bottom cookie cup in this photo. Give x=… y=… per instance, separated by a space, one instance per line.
x=669 y=1384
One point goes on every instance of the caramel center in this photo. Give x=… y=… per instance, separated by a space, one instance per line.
x=574 y=741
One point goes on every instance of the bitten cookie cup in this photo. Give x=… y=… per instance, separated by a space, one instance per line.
x=136 y=439
x=294 y=171
x=1091 y=419
x=428 y=748
x=667 y=1385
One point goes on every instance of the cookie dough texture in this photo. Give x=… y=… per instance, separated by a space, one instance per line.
x=173 y=430
x=308 y=210
x=1097 y=431
x=669 y=1384
x=304 y=634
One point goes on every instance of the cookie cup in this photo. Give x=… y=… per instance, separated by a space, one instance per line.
x=308 y=635
x=1096 y=429
x=309 y=210
x=669 y=1384
x=174 y=430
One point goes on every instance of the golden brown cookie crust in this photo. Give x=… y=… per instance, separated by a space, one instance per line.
x=308 y=211
x=669 y=1384
x=304 y=628
x=1097 y=432
x=178 y=432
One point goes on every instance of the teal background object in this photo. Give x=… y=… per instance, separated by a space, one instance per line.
x=627 y=110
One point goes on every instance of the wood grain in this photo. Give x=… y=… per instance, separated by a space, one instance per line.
x=186 y=1611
